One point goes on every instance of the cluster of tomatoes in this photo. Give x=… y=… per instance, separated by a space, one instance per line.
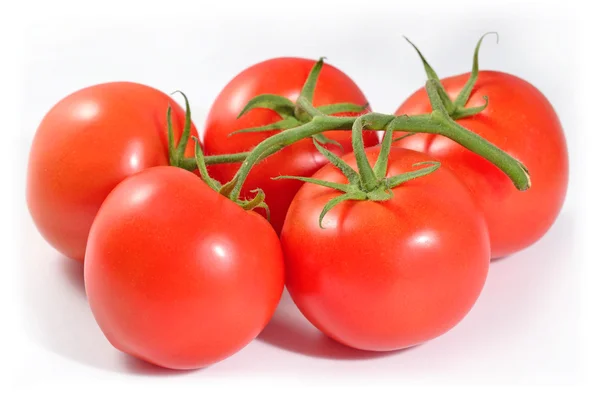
x=182 y=276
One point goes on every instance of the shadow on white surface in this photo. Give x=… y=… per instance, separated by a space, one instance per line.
x=289 y=330
x=524 y=326
x=57 y=313
x=60 y=320
x=73 y=274
x=133 y=365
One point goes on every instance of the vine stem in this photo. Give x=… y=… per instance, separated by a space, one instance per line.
x=437 y=122
x=190 y=163
x=275 y=142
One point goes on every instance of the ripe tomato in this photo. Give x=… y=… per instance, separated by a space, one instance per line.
x=386 y=275
x=178 y=275
x=88 y=143
x=521 y=121
x=285 y=77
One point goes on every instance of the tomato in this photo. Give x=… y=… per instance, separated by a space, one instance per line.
x=178 y=275
x=285 y=77
x=386 y=275
x=88 y=143
x=521 y=121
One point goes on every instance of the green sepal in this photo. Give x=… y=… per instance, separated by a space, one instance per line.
x=462 y=112
x=324 y=140
x=228 y=187
x=345 y=188
x=456 y=109
x=357 y=195
x=308 y=89
x=432 y=75
x=199 y=155
x=171 y=137
x=266 y=208
x=368 y=179
x=432 y=87
x=407 y=176
x=187 y=128
x=258 y=201
x=403 y=136
x=465 y=93
x=283 y=124
x=351 y=174
x=380 y=168
x=283 y=106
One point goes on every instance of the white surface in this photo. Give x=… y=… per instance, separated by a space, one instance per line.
x=522 y=330
x=533 y=322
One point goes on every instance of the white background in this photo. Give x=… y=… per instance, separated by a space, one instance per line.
x=533 y=324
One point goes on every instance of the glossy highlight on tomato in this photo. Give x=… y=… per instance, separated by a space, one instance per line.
x=285 y=77
x=520 y=121
x=87 y=143
x=178 y=275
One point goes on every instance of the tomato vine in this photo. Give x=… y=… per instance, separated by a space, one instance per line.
x=301 y=120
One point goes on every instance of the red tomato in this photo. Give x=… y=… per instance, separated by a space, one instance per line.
x=285 y=77
x=386 y=275
x=521 y=121
x=177 y=274
x=88 y=143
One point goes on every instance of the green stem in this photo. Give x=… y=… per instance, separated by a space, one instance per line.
x=465 y=93
x=278 y=142
x=437 y=122
x=201 y=164
x=473 y=142
x=515 y=170
x=190 y=163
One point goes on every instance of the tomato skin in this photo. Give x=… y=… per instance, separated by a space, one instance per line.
x=522 y=122
x=178 y=275
x=386 y=275
x=282 y=76
x=85 y=145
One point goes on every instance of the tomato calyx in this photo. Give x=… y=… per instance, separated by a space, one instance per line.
x=176 y=153
x=258 y=201
x=177 y=156
x=456 y=109
x=368 y=183
x=292 y=114
x=200 y=161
